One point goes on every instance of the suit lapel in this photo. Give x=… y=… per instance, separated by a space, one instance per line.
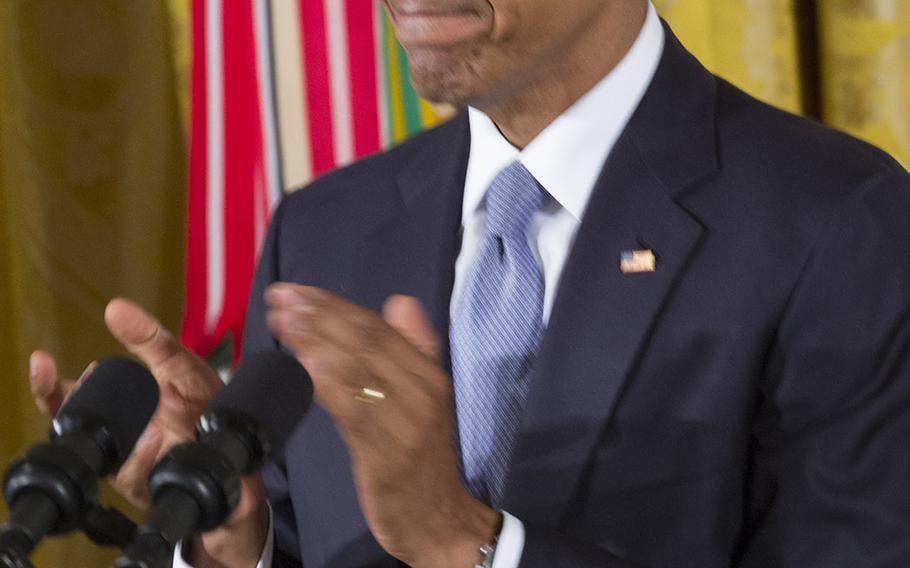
x=602 y=317
x=414 y=252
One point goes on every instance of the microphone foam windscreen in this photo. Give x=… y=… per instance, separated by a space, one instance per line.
x=272 y=388
x=120 y=393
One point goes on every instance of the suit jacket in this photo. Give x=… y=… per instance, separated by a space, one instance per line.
x=746 y=404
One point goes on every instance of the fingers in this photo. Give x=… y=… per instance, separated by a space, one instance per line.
x=131 y=480
x=51 y=394
x=47 y=389
x=323 y=329
x=309 y=316
x=252 y=498
x=406 y=315
x=186 y=381
x=139 y=332
x=240 y=540
x=346 y=348
x=331 y=370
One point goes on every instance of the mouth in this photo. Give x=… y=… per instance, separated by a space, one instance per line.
x=420 y=23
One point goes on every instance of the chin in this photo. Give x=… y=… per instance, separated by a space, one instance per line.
x=453 y=89
x=439 y=78
x=441 y=92
x=456 y=92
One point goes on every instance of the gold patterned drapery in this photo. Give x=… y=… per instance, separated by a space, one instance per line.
x=865 y=70
x=752 y=43
x=93 y=114
x=844 y=62
x=92 y=162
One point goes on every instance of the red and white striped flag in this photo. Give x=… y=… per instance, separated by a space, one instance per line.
x=282 y=91
x=234 y=179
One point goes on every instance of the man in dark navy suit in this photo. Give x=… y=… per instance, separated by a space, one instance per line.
x=694 y=354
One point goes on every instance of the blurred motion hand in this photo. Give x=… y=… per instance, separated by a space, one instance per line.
x=186 y=384
x=402 y=437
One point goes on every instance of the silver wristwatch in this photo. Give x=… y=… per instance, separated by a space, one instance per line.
x=487 y=552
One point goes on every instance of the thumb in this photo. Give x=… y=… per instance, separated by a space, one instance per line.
x=407 y=317
x=47 y=388
x=186 y=382
x=139 y=332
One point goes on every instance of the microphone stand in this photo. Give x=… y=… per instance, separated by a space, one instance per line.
x=105 y=526
x=14 y=547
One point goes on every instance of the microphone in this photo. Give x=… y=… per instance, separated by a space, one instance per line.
x=53 y=487
x=196 y=485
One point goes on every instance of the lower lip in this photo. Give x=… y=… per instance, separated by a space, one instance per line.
x=438 y=28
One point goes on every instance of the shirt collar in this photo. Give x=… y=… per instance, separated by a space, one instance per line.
x=568 y=155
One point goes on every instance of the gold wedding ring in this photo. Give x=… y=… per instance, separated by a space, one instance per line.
x=369 y=396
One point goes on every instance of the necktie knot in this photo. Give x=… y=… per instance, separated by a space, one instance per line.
x=512 y=199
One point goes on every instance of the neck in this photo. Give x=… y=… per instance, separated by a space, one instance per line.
x=528 y=109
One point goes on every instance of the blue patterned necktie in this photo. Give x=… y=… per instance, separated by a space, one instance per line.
x=495 y=333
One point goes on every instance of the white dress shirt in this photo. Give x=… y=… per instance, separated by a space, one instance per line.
x=566 y=159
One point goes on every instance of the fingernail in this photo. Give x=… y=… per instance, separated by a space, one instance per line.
x=32 y=365
x=299 y=300
x=280 y=293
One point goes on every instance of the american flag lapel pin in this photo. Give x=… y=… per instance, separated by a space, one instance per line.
x=637 y=261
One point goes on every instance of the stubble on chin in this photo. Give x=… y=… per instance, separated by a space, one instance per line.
x=445 y=78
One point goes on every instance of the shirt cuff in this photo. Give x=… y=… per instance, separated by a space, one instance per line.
x=265 y=560
x=510 y=544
